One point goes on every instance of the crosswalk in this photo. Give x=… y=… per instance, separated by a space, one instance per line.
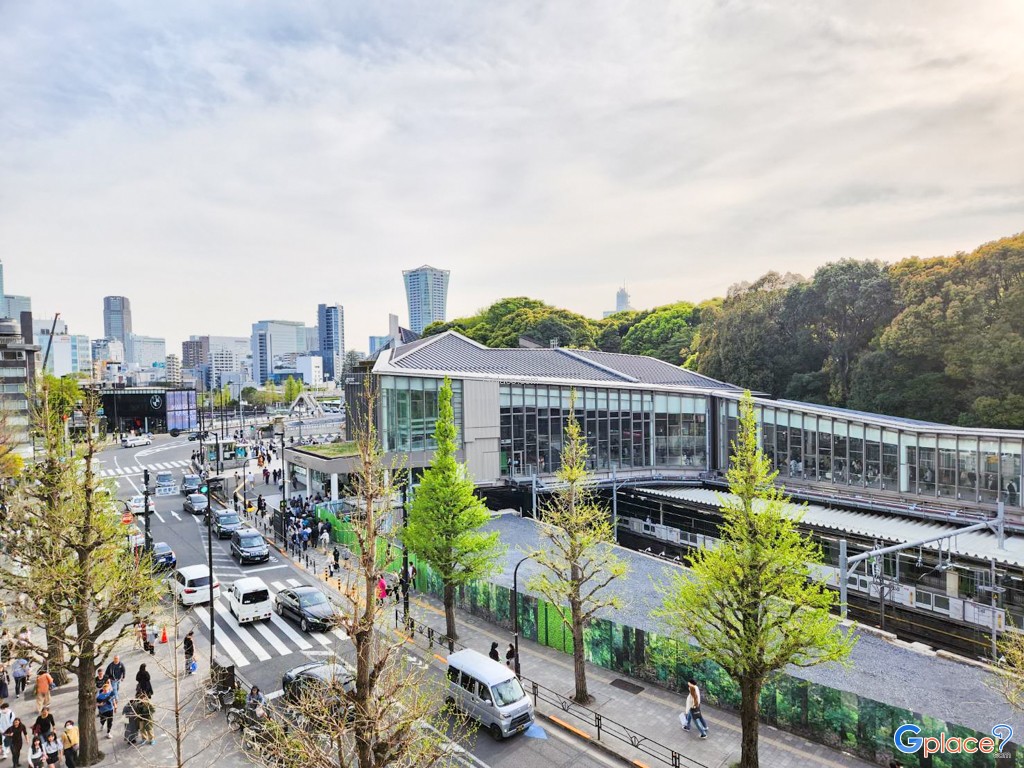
x=260 y=641
x=122 y=471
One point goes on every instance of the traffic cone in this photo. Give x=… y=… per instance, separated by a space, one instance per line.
x=163 y=637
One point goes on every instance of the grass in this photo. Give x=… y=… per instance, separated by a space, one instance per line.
x=331 y=450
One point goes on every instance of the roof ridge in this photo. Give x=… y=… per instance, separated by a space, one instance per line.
x=575 y=356
x=414 y=346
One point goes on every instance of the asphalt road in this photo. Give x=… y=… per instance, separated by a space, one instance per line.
x=263 y=652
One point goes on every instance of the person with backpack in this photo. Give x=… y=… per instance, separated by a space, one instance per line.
x=69 y=740
x=189 y=646
x=144 y=710
x=106 y=702
x=44 y=684
x=6 y=721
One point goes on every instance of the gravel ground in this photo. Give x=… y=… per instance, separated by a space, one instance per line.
x=947 y=690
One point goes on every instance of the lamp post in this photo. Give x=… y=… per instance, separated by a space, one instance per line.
x=515 y=609
x=405 y=557
x=145 y=510
x=205 y=488
x=279 y=431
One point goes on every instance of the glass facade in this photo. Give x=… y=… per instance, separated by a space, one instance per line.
x=624 y=429
x=408 y=409
x=841 y=451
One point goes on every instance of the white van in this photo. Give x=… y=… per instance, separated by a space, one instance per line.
x=488 y=692
x=249 y=600
x=191 y=585
x=134 y=441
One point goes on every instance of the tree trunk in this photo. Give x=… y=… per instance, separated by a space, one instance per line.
x=449 y=612
x=750 y=711
x=88 y=749
x=56 y=664
x=362 y=638
x=579 y=661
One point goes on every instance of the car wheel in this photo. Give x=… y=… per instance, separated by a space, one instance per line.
x=277 y=607
x=495 y=731
x=304 y=625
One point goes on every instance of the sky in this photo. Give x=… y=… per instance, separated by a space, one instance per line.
x=221 y=163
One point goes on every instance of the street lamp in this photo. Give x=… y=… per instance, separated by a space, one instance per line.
x=515 y=609
x=205 y=488
x=279 y=431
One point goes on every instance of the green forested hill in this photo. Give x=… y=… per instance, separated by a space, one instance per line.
x=938 y=338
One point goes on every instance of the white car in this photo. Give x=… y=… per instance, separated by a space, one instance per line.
x=136 y=538
x=134 y=441
x=191 y=585
x=135 y=504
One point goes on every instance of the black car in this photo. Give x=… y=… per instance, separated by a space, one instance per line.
x=249 y=546
x=226 y=522
x=195 y=503
x=309 y=607
x=198 y=435
x=164 y=557
x=326 y=680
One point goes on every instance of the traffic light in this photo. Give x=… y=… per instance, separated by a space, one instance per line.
x=145 y=477
x=204 y=488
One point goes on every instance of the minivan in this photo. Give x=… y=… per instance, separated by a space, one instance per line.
x=249 y=600
x=191 y=585
x=190 y=484
x=165 y=479
x=134 y=441
x=488 y=692
x=249 y=546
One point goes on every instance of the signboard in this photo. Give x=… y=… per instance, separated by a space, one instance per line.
x=127 y=518
x=166 y=490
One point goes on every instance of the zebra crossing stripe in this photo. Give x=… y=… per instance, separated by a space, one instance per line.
x=245 y=637
x=229 y=647
x=271 y=638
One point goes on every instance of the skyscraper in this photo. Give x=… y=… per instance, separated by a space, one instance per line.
x=622 y=300
x=426 y=289
x=331 y=322
x=117 y=318
x=275 y=343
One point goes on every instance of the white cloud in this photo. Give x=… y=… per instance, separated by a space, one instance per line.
x=223 y=163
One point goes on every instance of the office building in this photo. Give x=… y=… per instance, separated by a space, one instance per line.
x=275 y=344
x=312 y=340
x=172 y=369
x=621 y=302
x=13 y=306
x=117 y=318
x=145 y=351
x=17 y=373
x=331 y=325
x=426 y=290
x=377 y=343
x=107 y=351
x=310 y=368
x=195 y=351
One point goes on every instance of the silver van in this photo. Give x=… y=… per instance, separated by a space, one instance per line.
x=488 y=692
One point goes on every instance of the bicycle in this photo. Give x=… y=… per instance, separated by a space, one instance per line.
x=218 y=698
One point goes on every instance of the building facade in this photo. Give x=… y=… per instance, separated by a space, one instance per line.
x=275 y=344
x=107 y=351
x=331 y=326
x=117 y=318
x=310 y=368
x=172 y=369
x=17 y=383
x=426 y=290
x=146 y=351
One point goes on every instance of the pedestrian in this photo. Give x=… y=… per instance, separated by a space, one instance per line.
x=305 y=539
x=69 y=740
x=44 y=682
x=494 y=652
x=325 y=540
x=144 y=710
x=403 y=584
x=15 y=736
x=5 y=683
x=100 y=678
x=51 y=748
x=106 y=703
x=510 y=656
x=143 y=681
x=693 y=711
x=44 y=723
x=382 y=590
x=35 y=753
x=115 y=673
x=337 y=558
x=154 y=638
x=190 y=650
x=412 y=578
x=19 y=671
x=144 y=636
x=6 y=720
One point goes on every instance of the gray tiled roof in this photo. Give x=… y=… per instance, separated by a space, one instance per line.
x=847 y=412
x=454 y=353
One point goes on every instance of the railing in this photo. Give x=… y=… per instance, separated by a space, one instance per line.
x=603 y=726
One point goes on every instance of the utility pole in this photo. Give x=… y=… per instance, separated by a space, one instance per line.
x=145 y=510
x=205 y=488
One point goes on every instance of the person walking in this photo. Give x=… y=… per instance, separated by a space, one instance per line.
x=69 y=740
x=510 y=656
x=693 y=711
x=189 y=645
x=494 y=652
x=44 y=723
x=115 y=673
x=6 y=720
x=19 y=671
x=35 y=753
x=51 y=748
x=106 y=702
x=15 y=735
x=44 y=682
x=5 y=683
x=144 y=710
x=143 y=681
x=382 y=590
x=154 y=637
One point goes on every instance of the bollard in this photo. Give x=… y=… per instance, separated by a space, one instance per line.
x=597 y=722
x=430 y=638
x=533 y=688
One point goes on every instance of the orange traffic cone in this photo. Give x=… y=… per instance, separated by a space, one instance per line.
x=163 y=637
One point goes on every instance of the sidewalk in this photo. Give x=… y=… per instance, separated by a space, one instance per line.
x=648 y=713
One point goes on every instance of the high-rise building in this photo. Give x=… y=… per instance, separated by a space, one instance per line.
x=17 y=370
x=12 y=306
x=312 y=339
x=65 y=354
x=195 y=351
x=117 y=318
x=331 y=323
x=146 y=351
x=426 y=289
x=172 y=373
x=622 y=300
x=311 y=369
x=107 y=351
x=275 y=344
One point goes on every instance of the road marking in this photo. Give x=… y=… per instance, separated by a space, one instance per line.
x=158 y=516
x=278 y=585
x=321 y=638
x=266 y=568
x=271 y=638
x=295 y=582
x=132 y=470
x=290 y=633
x=276 y=694
x=175 y=515
x=225 y=643
x=240 y=631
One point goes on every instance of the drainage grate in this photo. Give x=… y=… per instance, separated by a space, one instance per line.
x=626 y=686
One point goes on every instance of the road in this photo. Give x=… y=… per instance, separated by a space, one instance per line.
x=263 y=652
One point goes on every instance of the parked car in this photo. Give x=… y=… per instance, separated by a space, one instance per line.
x=226 y=522
x=249 y=546
x=134 y=441
x=136 y=503
x=309 y=607
x=136 y=538
x=195 y=503
x=190 y=484
x=322 y=679
x=165 y=479
x=198 y=435
x=191 y=585
x=163 y=556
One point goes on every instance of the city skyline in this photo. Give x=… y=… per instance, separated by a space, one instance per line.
x=531 y=153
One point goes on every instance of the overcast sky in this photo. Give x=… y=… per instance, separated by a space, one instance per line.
x=225 y=162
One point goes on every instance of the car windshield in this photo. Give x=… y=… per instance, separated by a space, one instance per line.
x=227 y=519
x=312 y=598
x=508 y=692
x=197 y=499
x=251 y=541
x=199 y=581
x=161 y=549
